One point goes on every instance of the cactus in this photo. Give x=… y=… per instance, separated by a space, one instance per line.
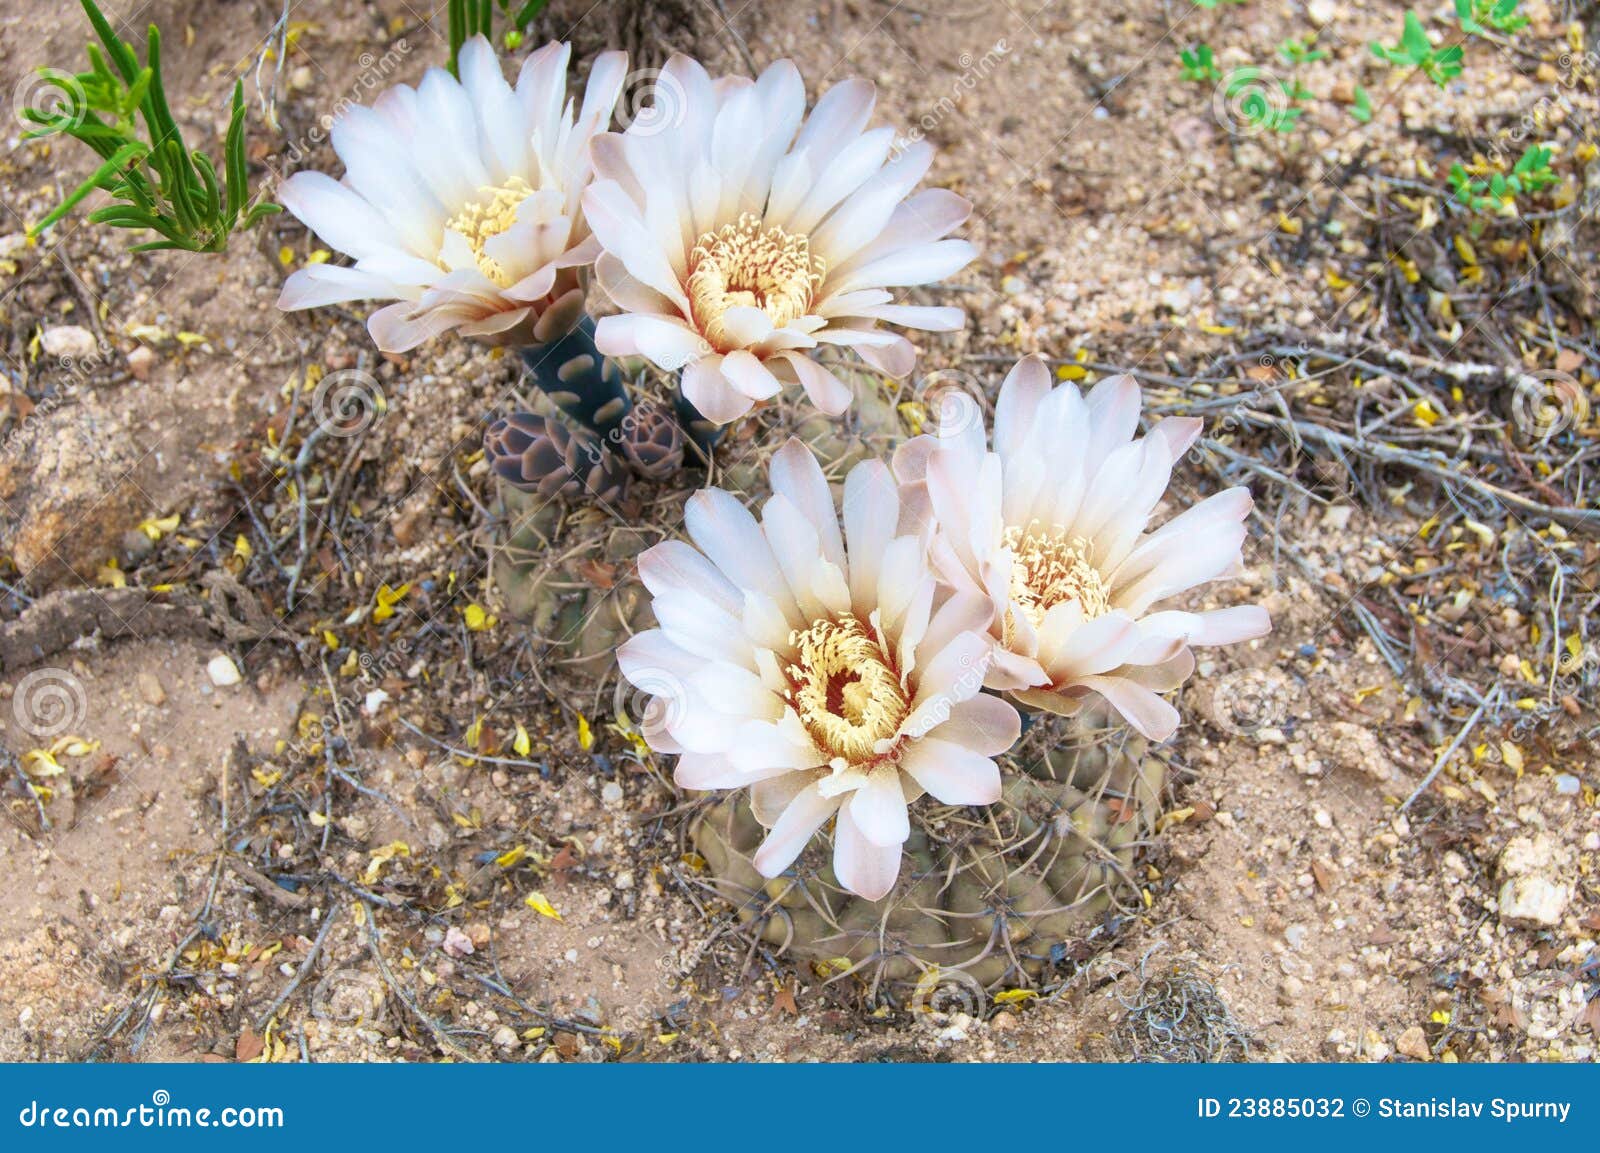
x=652 y=442
x=991 y=897
x=549 y=458
x=582 y=383
x=567 y=573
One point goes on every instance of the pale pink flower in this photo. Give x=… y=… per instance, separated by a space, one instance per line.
x=1052 y=526
x=817 y=667
x=461 y=201
x=740 y=242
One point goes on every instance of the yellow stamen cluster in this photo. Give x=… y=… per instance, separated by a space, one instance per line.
x=1049 y=568
x=845 y=689
x=487 y=217
x=746 y=265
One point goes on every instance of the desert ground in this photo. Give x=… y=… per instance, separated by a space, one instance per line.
x=289 y=773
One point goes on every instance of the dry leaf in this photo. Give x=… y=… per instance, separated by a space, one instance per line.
x=249 y=1046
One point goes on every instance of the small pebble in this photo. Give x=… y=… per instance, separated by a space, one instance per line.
x=140 y=361
x=68 y=342
x=149 y=686
x=222 y=671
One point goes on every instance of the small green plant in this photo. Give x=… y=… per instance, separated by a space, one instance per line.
x=469 y=18
x=1415 y=50
x=1264 y=103
x=1477 y=17
x=1199 y=64
x=1210 y=5
x=158 y=182
x=1498 y=194
x=1361 y=109
x=1302 y=51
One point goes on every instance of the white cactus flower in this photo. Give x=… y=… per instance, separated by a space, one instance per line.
x=461 y=201
x=740 y=242
x=817 y=668
x=1051 y=526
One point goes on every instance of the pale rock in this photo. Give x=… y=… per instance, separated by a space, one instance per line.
x=222 y=671
x=140 y=362
x=1533 y=902
x=68 y=342
x=1413 y=1043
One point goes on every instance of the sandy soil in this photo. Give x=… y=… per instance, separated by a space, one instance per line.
x=328 y=860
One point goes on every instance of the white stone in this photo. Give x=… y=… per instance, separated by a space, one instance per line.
x=1533 y=901
x=222 y=671
x=68 y=341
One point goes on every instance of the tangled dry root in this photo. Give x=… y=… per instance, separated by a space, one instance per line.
x=991 y=897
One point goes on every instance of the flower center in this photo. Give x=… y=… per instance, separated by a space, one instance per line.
x=845 y=689
x=744 y=265
x=1049 y=568
x=487 y=217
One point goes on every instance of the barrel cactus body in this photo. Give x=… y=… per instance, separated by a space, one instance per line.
x=995 y=897
x=565 y=571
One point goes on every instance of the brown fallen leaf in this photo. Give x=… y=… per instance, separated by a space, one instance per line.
x=784 y=999
x=1590 y=1017
x=1323 y=876
x=602 y=574
x=563 y=860
x=249 y=1046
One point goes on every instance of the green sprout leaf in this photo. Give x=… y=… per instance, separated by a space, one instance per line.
x=1199 y=64
x=1302 y=51
x=1479 y=17
x=156 y=183
x=1361 y=110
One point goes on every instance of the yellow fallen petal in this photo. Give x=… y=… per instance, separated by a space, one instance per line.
x=539 y=904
